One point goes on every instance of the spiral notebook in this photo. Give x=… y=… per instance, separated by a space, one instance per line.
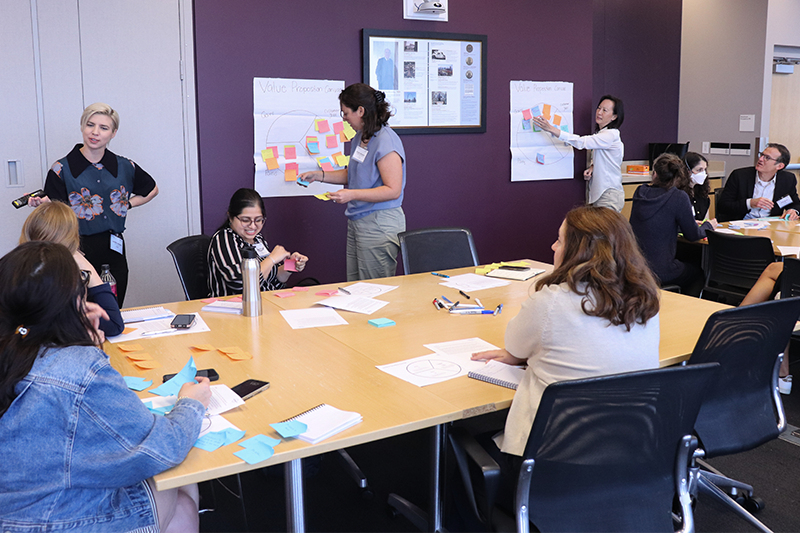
x=130 y=316
x=325 y=421
x=498 y=373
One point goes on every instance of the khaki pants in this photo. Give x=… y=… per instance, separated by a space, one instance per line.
x=373 y=245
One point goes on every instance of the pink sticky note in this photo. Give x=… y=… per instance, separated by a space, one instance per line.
x=284 y=294
x=327 y=167
x=322 y=126
x=236 y=299
x=327 y=292
x=338 y=127
x=526 y=114
x=209 y=300
x=289 y=152
x=272 y=152
x=290 y=265
x=331 y=141
x=300 y=289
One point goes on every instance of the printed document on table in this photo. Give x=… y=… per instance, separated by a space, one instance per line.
x=313 y=318
x=473 y=282
x=155 y=329
x=432 y=368
x=357 y=304
x=460 y=347
x=369 y=290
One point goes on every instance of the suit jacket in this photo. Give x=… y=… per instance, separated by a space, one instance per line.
x=739 y=187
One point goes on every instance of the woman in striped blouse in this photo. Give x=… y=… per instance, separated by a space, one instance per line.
x=243 y=228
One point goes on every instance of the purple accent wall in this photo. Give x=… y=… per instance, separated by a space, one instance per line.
x=452 y=180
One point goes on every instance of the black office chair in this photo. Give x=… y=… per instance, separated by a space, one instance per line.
x=604 y=454
x=742 y=408
x=429 y=249
x=790 y=278
x=190 y=256
x=734 y=264
x=719 y=215
x=656 y=149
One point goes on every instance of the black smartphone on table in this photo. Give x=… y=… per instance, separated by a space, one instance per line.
x=182 y=321
x=249 y=388
x=209 y=373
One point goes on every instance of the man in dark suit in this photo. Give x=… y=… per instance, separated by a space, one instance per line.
x=761 y=191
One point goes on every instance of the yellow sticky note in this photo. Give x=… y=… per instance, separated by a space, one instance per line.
x=324 y=196
x=483 y=270
x=268 y=153
x=348 y=131
x=129 y=347
x=272 y=163
x=139 y=356
x=146 y=365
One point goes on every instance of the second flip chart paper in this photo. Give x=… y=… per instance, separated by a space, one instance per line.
x=535 y=154
x=285 y=113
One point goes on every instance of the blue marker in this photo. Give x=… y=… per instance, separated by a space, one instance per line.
x=440 y=275
x=498 y=309
x=446 y=300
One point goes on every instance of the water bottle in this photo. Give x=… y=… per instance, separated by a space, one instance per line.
x=105 y=275
x=251 y=270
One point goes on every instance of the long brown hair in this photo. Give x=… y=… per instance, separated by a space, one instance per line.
x=603 y=263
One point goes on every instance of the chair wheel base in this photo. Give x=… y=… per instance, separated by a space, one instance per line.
x=367 y=493
x=752 y=504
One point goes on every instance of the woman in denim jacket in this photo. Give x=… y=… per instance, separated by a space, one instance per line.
x=78 y=446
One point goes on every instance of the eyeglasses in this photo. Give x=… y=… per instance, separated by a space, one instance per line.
x=248 y=221
x=85 y=277
x=765 y=156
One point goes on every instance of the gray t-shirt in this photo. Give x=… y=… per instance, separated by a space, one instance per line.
x=365 y=175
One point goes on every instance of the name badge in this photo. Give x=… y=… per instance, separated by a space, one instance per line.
x=360 y=154
x=783 y=202
x=117 y=243
x=261 y=250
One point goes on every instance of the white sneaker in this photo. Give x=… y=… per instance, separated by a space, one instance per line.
x=785 y=384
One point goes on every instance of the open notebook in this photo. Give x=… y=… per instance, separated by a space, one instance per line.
x=499 y=373
x=325 y=421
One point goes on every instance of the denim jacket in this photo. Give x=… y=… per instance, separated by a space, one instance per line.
x=77 y=446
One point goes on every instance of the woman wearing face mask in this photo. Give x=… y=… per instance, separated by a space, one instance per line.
x=698 y=188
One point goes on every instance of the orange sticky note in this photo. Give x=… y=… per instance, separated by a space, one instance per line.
x=290 y=174
x=201 y=348
x=230 y=349
x=139 y=356
x=322 y=125
x=129 y=347
x=272 y=163
x=146 y=365
x=284 y=294
x=128 y=330
x=289 y=152
x=546 y=112
x=557 y=120
x=343 y=137
x=331 y=141
x=239 y=356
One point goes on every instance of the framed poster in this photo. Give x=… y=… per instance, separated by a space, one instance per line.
x=435 y=82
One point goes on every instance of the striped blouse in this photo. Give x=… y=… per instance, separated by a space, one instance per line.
x=225 y=264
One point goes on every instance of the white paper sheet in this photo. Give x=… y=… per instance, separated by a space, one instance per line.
x=789 y=250
x=473 y=282
x=369 y=290
x=222 y=399
x=313 y=318
x=161 y=325
x=356 y=304
x=462 y=346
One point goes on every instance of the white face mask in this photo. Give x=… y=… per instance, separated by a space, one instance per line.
x=699 y=178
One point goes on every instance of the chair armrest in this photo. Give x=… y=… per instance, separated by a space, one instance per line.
x=466 y=449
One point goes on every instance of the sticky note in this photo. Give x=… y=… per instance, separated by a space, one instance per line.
x=284 y=294
x=208 y=300
x=201 y=348
x=557 y=120
x=230 y=349
x=300 y=289
x=290 y=265
x=173 y=385
x=137 y=384
x=232 y=435
x=259 y=439
x=331 y=141
x=235 y=299
x=381 y=322
x=269 y=153
x=139 y=356
x=290 y=428
x=526 y=125
x=239 y=356
x=546 y=112
x=343 y=137
x=526 y=114
x=535 y=111
x=255 y=454
x=129 y=347
x=327 y=167
x=210 y=441
x=289 y=152
x=128 y=330
x=272 y=163
x=324 y=196
x=540 y=159
x=564 y=128
x=290 y=174
x=313 y=148
x=303 y=182
x=327 y=292
x=322 y=125
x=349 y=131
x=146 y=365
x=338 y=127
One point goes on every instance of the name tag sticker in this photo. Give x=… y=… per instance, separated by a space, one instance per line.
x=116 y=243
x=360 y=154
x=783 y=202
x=261 y=250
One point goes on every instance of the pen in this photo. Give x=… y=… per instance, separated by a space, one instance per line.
x=440 y=275
x=455 y=305
x=498 y=309
x=478 y=302
x=436 y=304
x=159 y=332
x=471 y=312
x=344 y=291
x=464 y=294
x=446 y=300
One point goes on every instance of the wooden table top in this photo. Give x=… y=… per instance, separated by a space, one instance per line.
x=337 y=365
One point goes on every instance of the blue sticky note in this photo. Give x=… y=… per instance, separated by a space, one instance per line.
x=173 y=386
x=263 y=439
x=564 y=128
x=255 y=454
x=313 y=148
x=540 y=159
x=304 y=183
x=232 y=435
x=535 y=111
x=381 y=322
x=210 y=441
x=526 y=125
x=136 y=383
x=290 y=428
x=149 y=405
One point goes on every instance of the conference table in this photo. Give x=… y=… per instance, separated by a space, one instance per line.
x=337 y=365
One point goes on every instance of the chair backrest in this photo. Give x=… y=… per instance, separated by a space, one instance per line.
x=429 y=249
x=604 y=450
x=719 y=215
x=790 y=278
x=190 y=255
x=656 y=149
x=735 y=262
x=742 y=408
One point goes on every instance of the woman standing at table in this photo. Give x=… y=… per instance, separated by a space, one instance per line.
x=604 y=175
x=596 y=313
x=698 y=188
x=55 y=222
x=78 y=445
x=100 y=186
x=242 y=228
x=375 y=179
x=661 y=210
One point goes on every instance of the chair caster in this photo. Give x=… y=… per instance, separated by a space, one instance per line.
x=392 y=512
x=367 y=493
x=751 y=504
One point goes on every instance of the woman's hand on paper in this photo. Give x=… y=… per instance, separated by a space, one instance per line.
x=311 y=176
x=502 y=356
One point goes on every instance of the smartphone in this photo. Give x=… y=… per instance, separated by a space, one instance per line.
x=22 y=201
x=249 y=388
x=182 y=321
x=515 y=268
x=209 y=373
